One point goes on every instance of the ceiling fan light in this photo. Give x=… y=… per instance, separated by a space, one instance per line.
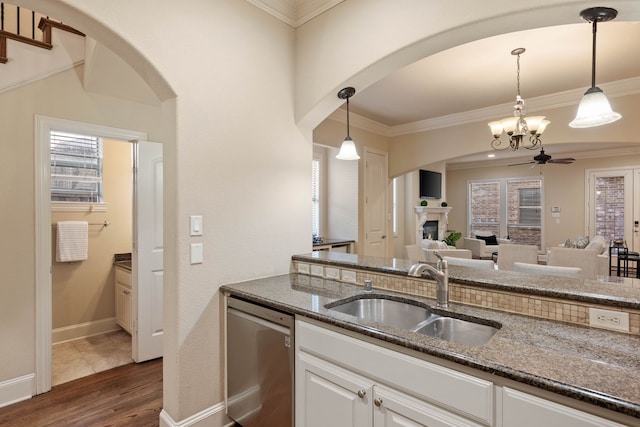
x=533 y=123
x=594 y=110
x=496 y=128
x=348 y=150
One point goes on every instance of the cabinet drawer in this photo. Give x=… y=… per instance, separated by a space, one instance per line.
x=123 y=277
x=453 y=390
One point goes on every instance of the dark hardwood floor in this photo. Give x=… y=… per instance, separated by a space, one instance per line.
x=130 y=395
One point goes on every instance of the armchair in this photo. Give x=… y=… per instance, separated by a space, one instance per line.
x=481 y=244
x=430 y=246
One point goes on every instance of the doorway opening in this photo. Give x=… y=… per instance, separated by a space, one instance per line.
x=44 y=236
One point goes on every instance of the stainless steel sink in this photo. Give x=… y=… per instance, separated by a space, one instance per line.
x=396 y=314
x=415 y=318
x=457 y=330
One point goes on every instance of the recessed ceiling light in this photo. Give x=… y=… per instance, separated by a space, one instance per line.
x=491 y=156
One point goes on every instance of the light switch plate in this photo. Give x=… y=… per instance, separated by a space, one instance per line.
x=196 y=253
x=195 y=225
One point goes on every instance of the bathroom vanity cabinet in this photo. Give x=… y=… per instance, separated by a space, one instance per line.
x=123 y=298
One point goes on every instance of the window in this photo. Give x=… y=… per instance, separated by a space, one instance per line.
x=609 y=206
x=76 y=168
x=507 y=207
x=315 y=195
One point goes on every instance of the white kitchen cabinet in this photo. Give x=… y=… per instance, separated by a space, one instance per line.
x=342 y=381
x=524 y=410
x=331 y=396
x=123 y=298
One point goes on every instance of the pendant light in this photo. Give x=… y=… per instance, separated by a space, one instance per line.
x=348 y=148
x=594 y=109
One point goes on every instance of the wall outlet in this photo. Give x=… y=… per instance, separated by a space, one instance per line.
x=332 y=273
x=609 y=319
x=303 y=268
x=317 y=270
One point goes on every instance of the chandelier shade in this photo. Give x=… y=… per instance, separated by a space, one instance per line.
x=518 y=126
x=348 y=148
x=594 y=108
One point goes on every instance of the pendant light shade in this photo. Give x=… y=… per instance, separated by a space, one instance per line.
x=594 y=109
x=348 y=149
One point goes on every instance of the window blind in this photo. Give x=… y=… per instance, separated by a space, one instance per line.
x=76 y=168
x=315 y=197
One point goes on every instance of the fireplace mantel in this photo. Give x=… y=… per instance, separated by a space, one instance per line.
x=426 y=213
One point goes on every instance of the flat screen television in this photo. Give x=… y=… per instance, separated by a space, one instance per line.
x=430 y=184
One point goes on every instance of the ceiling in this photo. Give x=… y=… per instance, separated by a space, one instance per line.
x=482 y=74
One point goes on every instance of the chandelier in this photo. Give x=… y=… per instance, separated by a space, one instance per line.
x=518 y=126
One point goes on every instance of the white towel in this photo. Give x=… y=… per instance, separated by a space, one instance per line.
x=72 y=242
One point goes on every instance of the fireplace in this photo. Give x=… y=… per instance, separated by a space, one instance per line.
x=430 y=230
x=434 y=221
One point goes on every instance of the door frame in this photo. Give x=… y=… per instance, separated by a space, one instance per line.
x=632 y=202
x=43 y=296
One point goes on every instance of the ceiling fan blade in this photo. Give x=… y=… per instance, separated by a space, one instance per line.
x=525 y=163
x=564 y=161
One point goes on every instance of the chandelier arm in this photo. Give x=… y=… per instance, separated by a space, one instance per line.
x=496 y=145
x=535 y=141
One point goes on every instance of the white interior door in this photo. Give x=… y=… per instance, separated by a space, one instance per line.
x=375 y=203
x=147 y=251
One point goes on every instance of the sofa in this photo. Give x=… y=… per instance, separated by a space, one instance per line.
x=483 y=244
x=591 y=255
x=430 y=246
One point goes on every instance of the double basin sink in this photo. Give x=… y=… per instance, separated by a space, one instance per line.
x=415 y=318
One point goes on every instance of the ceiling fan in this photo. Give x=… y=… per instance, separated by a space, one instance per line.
x=543 y=159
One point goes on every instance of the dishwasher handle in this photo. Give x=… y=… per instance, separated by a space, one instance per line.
x=259 y=320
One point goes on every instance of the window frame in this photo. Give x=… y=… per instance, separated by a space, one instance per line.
x=504 y=224
x=77 y=206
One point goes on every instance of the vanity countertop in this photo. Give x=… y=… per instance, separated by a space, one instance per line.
x=122 y=260
x=588 y=364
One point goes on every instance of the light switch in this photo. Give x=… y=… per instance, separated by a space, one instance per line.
x=195 y=224
x=196 y=253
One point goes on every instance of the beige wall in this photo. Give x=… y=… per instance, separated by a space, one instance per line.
x=564 y=186
x=84 y=291
x=58 y=96
x=242 y=92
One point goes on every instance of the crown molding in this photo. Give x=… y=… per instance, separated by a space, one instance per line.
x=561 y=99
x=295 y=12
x=360 y=122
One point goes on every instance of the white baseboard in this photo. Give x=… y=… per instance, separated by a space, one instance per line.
x=17 y=389
x=83 y=330
x=214 y=416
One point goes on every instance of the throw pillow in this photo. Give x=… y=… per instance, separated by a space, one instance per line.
x=490 y=240
x=599 y=244
x=442 y=245
x=582 y=242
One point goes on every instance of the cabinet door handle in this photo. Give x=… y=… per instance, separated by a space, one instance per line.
x=377 y=401
x=362 y=393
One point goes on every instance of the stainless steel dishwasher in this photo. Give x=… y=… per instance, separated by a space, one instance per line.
x=260 y=355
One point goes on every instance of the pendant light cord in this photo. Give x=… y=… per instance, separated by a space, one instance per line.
x=348 y=136
x=518 y=75
x=593 y=54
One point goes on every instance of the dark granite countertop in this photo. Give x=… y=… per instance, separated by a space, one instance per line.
x=612 y=291
x=122 y=260
x=591 y=365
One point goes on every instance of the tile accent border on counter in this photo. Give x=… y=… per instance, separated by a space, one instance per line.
x=564 y=309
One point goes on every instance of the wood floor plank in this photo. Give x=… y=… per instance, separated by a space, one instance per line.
x=129 y=395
